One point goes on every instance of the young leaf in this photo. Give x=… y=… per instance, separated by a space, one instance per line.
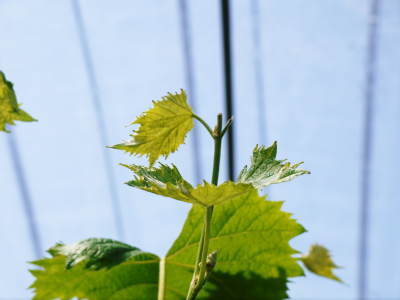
x=162 y=129
x=9 y=108
x=167 y=181
x=123 y=272
x=265 y=169
x=319 y=261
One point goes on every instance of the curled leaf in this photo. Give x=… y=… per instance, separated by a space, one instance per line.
x=164 y=181
x=265 y=170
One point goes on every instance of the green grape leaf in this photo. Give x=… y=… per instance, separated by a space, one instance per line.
x=318 y=260
x=162 y=129
x=252 y=238
x=254 y=260
x=100 y=269
x=265 y=170
x=167 y=181
x=10 y=110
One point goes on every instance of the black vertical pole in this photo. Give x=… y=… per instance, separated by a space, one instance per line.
x=370 y=80
x=227 y=53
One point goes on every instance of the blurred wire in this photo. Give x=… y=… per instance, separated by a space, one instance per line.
x=367 y=149
x=258 y=69
x=101 y=126
x=25 y=194
x=190 y=83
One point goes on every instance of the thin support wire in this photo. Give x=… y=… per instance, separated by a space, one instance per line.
x=369 y=96
x=190 y=83
x=25 y=195
x=100 y=119
x=258 y=69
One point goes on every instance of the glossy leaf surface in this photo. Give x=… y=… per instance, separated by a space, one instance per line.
x=265 y=170
x=96 y=269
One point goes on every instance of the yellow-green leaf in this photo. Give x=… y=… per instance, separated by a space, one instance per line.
x=318 y=260
x=9 y=108
x=209 y=194
x=162 y=129
x=167 y=181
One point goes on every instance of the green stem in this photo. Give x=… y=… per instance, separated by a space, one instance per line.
x=204 y=124
x=199 y=256
x=227 y=126
x=161 y=280
x=217 y=149
x=207 y=227
x=199 y=275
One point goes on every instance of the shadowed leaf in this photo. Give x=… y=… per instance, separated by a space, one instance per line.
x=245 y=285
x=100 y=269
x=96 y=252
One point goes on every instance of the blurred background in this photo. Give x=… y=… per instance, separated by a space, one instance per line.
x=320 y=77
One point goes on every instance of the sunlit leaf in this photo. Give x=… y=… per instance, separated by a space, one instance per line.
x=209 y=194
x=162 y=129
x=252 y=238
x=10 y=110
x=254 y=259
x=167 y=181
